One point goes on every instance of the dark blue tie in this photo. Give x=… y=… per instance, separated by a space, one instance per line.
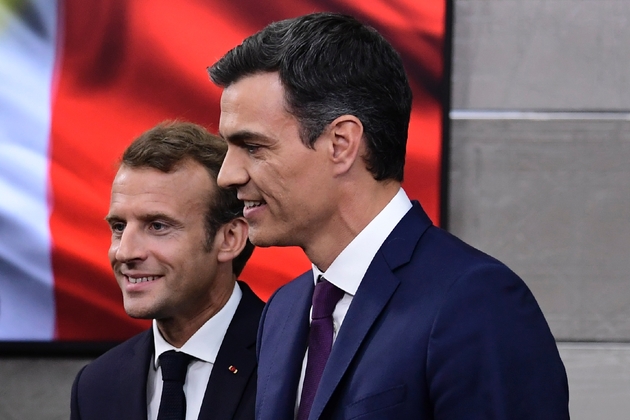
x=320 y=340
x=173 y=401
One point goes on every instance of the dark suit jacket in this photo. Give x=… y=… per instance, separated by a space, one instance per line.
x=113 y=387
x=436 y=330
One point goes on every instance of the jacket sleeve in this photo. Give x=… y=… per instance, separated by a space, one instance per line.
x=491 y=353
x=74 y=399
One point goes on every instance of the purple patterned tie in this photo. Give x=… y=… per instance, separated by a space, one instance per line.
x=173 y=400
x=320 y=341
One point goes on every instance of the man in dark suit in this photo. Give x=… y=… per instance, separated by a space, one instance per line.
x=178 y=244
x=315 y=111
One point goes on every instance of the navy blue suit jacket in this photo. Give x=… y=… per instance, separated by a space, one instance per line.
x=114 y=386
x=436 y=330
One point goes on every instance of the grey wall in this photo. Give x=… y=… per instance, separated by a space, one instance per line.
x=540 y=172
x=37 y=388
x=538 y=179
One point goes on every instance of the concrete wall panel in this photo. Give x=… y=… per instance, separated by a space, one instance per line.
x=599 y=380
x=541 y=54
x=37 y=388
x=551 y=199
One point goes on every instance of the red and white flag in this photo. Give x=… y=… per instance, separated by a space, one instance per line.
x=80 y=79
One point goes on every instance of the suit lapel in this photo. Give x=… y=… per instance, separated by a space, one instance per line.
x=132 y=383
x=376 y=289
x=288 y=334
x=236 y=361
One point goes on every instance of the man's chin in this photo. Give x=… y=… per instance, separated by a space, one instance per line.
x=276 y=234
x=139 y=312
x=257 y=237
x=263 y=241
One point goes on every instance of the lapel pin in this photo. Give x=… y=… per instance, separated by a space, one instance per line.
x=233 y=369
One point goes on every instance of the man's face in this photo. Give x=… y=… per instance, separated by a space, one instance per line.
x=158 y=250
x=285 y=185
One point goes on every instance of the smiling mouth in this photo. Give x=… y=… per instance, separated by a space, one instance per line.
x=253 y=204
x=136 y=280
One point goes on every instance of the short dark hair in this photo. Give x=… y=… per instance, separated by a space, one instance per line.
x=331 y=65
x=170 y=144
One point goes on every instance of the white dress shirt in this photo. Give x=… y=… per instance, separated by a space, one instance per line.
x=204 y=346
x=348 y=269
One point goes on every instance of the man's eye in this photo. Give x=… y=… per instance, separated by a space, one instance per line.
x=251 y=148
x=117 y=227
x=158 y=226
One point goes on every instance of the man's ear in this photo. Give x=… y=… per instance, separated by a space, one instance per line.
x=346 y=134
x=231 y=239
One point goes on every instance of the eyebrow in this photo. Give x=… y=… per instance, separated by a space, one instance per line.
x=111 y=218
x=242 y=136
x=145 y=218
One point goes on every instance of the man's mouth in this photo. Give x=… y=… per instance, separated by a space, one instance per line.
x=252 y=204
x=136 y=280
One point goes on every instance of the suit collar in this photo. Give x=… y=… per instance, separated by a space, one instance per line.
x=236 y=361
x=133 y=380
x=349 y=267
x=400 y=244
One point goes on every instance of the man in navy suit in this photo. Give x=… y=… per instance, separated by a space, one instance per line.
x=178 y=244
x=315 y=111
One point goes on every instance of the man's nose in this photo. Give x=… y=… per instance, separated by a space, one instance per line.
x=233 y=171
x=129 y=246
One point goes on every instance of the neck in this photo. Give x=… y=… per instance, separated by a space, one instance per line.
x=177 y=330
x=354 y=212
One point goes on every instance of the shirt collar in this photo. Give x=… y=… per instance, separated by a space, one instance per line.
x=205 y=343
x=348 y=269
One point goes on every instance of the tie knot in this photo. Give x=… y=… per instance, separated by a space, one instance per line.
x=174 y=365
x=325 y=298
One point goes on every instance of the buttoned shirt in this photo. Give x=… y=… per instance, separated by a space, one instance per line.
x=203 y=346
